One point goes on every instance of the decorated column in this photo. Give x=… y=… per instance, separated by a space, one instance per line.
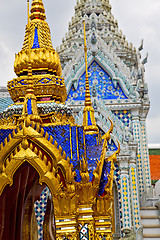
x=126 y=209
x=134 y=187
x=137 y=137
x=144 y=142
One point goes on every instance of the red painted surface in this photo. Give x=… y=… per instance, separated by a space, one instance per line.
x=155 y=166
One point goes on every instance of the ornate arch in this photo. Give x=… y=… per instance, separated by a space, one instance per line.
x=30 y=145
x=30 y=148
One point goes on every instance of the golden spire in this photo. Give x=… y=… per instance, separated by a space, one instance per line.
x=37 y=65
x=29 y=45
x=37 y=51
x=37 y=10
x=89 y=121
x=87 y=93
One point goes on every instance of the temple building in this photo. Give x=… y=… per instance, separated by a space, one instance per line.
x=74 y=154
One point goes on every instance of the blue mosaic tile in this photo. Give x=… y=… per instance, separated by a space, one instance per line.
x=4 y=134
x=124 y=116
x=29 y=106
x=100 y=83
x=40 y=209
x=36 y=42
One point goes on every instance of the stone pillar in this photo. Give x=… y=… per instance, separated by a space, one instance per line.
x=138 y=137
x=135 y=201
x=126 y=209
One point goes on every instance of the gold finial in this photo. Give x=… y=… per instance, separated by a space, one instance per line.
x=37 y=10
x=87 y=93
x=89 y=121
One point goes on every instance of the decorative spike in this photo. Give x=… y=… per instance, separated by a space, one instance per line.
x=20 y=146
x=49 y=166
x=55 y=143
x=42 y=132
x=53 y=171
x=1 y=145
x=15 y=151
x=11 y=155
x=40 y=155
x=46 y=135
x=9 y=137
x=38 y=128
x=51 y=139
x=45 y=159
x=13 y=133
x=64 y=155
x=60 y=148
x=68 y=160
x=5 y=141
x=31 y=146
x=7 y=162
x=35 y=150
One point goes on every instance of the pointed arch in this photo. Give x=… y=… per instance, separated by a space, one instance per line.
x=116 y=80
x=41 y=153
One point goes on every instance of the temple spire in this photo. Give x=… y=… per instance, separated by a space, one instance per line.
x=89 y=121
x=37 y=60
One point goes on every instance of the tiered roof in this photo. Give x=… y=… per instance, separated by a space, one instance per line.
x=99 y=18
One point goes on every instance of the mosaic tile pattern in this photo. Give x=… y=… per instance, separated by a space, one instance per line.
x=101 y=85
x=36 y=42
x=71 y=140
x=125 y=201
x=40 y=209
x=137 y=137
x=4 y=134
x=84 y=232
x=124 y=116
x=134 y=196
x=145 y=155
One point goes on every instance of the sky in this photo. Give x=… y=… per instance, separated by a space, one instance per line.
x=138 y=19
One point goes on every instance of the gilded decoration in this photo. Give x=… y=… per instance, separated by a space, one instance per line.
x=42 y=146
x=37 y=63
